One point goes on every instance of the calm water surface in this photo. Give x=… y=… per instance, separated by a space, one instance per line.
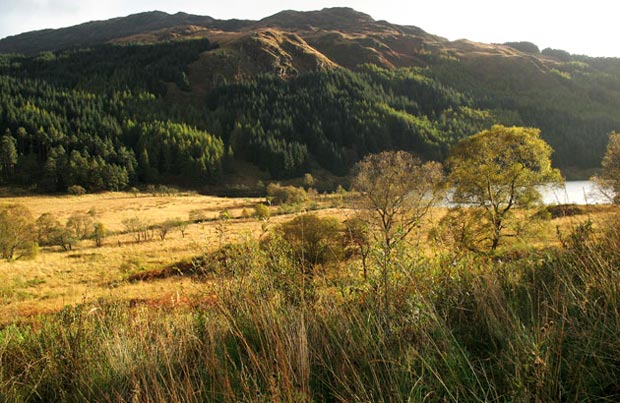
x=575 y=192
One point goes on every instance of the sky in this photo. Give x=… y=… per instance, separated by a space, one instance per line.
x=579 y=27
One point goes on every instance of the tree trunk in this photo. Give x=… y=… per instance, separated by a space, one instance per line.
x=496 y=235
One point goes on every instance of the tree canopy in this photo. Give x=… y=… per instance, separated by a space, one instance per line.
x=499 y=169
x=397 y=191
x=609 y=179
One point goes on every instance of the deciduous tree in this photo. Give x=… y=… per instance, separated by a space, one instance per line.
x=608 y=181
x=396 y=191
x=498 y=170
x=17 y=230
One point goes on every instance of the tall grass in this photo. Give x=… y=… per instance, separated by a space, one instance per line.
x=545 y=327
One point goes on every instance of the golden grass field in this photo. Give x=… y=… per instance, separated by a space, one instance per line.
x=88 y=273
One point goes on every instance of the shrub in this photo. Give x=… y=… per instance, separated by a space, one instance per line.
x=164 y=228
x=197 y=216
x=99 y=233
x=140 y=229
x=46 y=225
x=76 y=190
x=31 y=251
x=560 y=210
x=182 y=226
x=261 y=211
x=277 y=194
x=309 y=180
x=314 y=240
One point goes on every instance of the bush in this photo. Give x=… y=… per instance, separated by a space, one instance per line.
x=46 y=226
x=314 y=240
x=560 y=210
x=31 y=251
x=99 y=232
x=140 y=229
x=261 y=211
x=76 y=190
x=197 y=216
x=277 y=194
x=164 y=228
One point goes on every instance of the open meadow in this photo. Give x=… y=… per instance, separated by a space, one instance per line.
x=226 y=309
x=87 y=273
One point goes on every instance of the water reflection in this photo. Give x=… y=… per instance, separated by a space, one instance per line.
x=573 y=192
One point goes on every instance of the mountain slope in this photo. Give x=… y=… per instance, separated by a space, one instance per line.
x=293 y=92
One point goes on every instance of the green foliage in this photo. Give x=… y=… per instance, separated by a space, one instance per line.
x=608 y=181
x=99 y=233
x=261 y=211
x=573 y=114
x=497 y=170
x=337 y=117
x=108 y=68
x=140 y=229
x=80 y=225
x=527 y=47
x=169 y=150
x=76 y=190
x=103 y=117
x=17 y=230
x=277 y=194
x=557 y=54
x=313 y=240
x=8 y=156
x=74 y=121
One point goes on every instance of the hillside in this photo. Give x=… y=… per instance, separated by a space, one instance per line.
x=292 y=93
